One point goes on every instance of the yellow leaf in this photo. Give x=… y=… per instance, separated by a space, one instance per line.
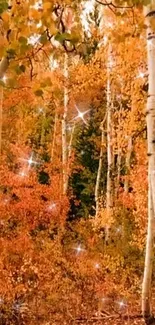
x=53 y=29
x=47 y=5
x=5 y=17
x=34 y=14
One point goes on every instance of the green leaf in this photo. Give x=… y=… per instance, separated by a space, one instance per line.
x=22 y=40
x=11 y=53
x=62 y=37
x=43 y=39
x=39 y=92
x=3 y=6
x=24 y=47
x=20 y=69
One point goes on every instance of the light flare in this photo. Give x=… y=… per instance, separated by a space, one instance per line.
x=81 y=114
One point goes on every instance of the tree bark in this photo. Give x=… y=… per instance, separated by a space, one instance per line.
x=1 y=117
x=127 y=164
x=69 y=155
x=147 y=279
x=64 y=130
x=3 y=66
x=42 y=136
x=99 y=172
x=54 y=136
x=119 y=159
x=109 y=196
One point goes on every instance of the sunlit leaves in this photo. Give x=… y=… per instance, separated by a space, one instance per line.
x=47 y=5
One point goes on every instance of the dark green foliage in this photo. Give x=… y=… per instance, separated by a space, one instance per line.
x=43 y=177
x=82 y=181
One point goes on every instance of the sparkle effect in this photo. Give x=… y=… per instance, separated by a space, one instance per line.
x=79 y=249
x=141 y=75
x=40 y=110
x=4 y=79
x=52 y=206
x=97 y=266
x=81 y=114
x=121 y=303
x=22 y=174
x=34 y=39
x=30 y=161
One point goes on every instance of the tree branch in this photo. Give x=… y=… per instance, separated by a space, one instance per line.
x=106 y=317
x=111 y=4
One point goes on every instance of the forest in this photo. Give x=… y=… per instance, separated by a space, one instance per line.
x=77 y=162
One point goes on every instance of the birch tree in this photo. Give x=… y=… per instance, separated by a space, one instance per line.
x=1 y=117
x=127 y=163
x=99 y=172
x=64 y=129
x=3 y=68
x=149 y=12
x=109 y=194
x=54 y=135
x=4 y=64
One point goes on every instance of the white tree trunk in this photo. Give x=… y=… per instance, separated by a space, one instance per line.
x=127 y=164
x=109 y=198
x=4 y=63
x=147 y=279
x=119 y=150
x=119 y=158
x=42 y=136
x=99 y=172
x=69 y=155
x=64 y=130
x=1 y=117
x=54 y=136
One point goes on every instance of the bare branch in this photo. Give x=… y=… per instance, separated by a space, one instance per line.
x=106 y=317
x=111 y=4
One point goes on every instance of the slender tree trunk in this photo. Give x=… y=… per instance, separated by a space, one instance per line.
x=71 y=142
x=119 y=150
x=64 y=130
x=54 y=136
x=1 y=117
x=4 y=63
x=119 y=158
x=42 y=137
x=99 y=172
x=109 y=201
x=147 y=279
x=69 y=154
x=127 y=164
